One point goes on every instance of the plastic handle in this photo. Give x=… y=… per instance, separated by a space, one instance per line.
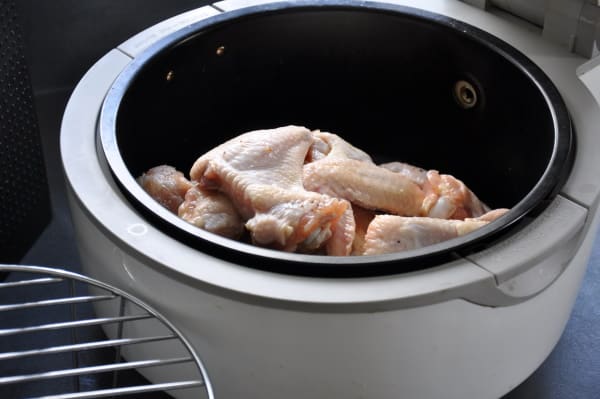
x=530 y=260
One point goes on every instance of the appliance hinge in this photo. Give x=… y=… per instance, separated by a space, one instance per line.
x=571 y=23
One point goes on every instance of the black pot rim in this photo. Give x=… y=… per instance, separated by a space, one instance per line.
x=527 y=209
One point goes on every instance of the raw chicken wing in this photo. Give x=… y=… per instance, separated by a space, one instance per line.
x=414 y=173
x=211 y=211
x=341 y=170
x=364 y=184
x=166 y=185
x=390 y=233
x=261 y=172
x=446 y=197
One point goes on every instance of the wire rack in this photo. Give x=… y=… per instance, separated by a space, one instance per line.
x=53 y=344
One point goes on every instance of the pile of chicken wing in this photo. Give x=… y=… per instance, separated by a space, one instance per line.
x=306 y=191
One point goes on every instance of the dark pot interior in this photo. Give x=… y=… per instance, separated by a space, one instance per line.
x=382 y=77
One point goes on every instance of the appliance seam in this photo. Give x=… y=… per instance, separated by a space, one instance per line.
x=124 y=52
x=217 y=7
x=575 y=200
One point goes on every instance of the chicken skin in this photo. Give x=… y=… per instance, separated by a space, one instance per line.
x=446 y=197
x=414 y=173
x=261 y=172
x=208 y=210
x=166 y=185
x=364 y=184
x=362 y=218
x=333 y=146
x=211 y=211
x=340 y=170
x=390 y=233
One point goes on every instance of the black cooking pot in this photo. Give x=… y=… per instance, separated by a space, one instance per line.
x=399 y=83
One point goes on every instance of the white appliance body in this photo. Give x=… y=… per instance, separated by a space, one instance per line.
x=474 y=327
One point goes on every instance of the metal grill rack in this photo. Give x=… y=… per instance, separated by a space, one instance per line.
x=53 y=344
